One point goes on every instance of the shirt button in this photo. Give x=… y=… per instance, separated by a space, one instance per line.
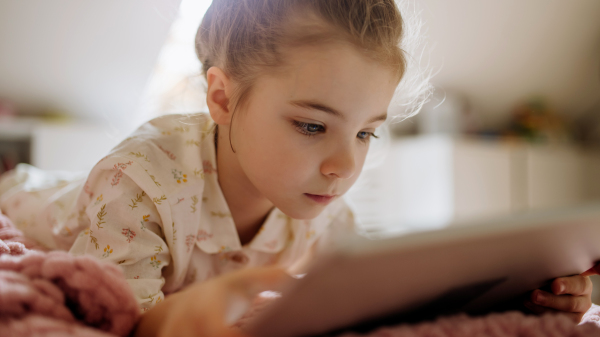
x=238 y=257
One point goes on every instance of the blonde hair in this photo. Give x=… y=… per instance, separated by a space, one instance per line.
x=245 y=38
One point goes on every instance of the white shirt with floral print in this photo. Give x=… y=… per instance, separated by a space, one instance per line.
x=154 y=206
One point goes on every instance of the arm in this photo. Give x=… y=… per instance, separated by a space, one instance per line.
x=202 y=309
x=125 y=228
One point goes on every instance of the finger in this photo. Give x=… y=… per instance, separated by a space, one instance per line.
x=565 y=303
x=237 y=306
x=589 y=272
x=214 y=317
x=252 y=281
x=538 y=309
x=574 y=316
x=573 y=285
x=234 y=332
x=595 y=270
x=176 y=328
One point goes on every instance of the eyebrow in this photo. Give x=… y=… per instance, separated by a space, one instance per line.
x=314 y=105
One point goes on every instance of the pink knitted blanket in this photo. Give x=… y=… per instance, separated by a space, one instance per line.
x=56 y=294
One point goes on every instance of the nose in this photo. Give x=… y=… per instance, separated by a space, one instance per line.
x=340 y=163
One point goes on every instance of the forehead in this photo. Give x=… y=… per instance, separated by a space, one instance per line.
x=337 y=75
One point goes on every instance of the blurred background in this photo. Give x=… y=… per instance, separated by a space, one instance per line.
x=513 y=124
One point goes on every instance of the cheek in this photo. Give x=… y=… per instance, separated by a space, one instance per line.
x=272 y=157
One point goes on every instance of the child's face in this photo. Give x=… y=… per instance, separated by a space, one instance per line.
x=290 y=147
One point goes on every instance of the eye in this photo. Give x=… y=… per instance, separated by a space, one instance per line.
x=307 y=128
x=365 y=136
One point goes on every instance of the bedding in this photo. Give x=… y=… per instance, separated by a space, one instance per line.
x=55 y=294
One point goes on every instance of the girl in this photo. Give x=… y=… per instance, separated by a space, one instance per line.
x=210 y=206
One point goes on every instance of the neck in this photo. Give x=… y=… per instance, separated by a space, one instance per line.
x=248 y=207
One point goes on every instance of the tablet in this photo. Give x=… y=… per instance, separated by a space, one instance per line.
x=474 y=268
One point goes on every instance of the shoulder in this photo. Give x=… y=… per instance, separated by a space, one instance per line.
x=173 y=139
x=164 y=153
x=185 y=130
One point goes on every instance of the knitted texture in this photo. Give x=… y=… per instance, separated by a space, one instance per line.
x=46 y=293
x=510 y=324
x=12 y=240
x=41 y=326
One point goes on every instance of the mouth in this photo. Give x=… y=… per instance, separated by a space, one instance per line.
x=321 y=198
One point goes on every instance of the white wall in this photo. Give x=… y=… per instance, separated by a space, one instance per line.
x=90 y=59
x=498 y=52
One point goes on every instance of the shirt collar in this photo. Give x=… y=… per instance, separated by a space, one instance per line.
x=274 y=233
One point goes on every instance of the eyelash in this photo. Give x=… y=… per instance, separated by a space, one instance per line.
x=301 y=127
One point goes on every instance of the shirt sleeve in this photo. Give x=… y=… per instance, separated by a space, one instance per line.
x=125 y=228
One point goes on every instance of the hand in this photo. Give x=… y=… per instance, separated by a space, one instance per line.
x=571 y=295
x=201 y=310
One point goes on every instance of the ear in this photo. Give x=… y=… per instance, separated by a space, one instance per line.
x=218 y=95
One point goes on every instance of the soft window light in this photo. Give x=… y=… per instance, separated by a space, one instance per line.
x=176 y=84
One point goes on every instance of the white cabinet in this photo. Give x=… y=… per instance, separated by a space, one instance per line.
x=482 y=179
x=65 y=145
x=431 y=181
x=556 y=177
x=76 y=146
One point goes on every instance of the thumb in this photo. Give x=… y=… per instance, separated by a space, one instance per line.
x=252 y=281
x=246 y=284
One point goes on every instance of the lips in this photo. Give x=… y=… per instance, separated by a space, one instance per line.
x=321 y=198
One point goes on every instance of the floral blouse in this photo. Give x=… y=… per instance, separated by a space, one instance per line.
x=154 y=206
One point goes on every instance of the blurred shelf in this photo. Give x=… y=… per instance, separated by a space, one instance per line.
x=428 y=182
x=16 y=129
x=53 y=144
